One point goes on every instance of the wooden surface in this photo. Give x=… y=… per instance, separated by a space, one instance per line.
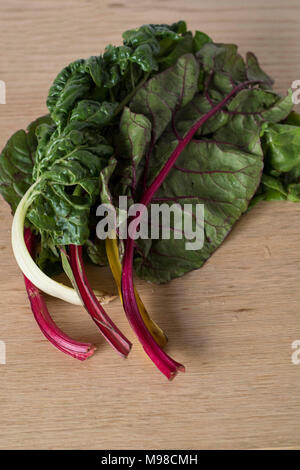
x=231 y=323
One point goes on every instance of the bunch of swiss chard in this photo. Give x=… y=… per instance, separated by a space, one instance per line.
x=169 y=116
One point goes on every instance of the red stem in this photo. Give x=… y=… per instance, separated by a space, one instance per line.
x=58 y=338
x=108 y=329
x=165 y=363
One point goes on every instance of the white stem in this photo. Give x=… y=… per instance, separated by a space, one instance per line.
x=27 y=264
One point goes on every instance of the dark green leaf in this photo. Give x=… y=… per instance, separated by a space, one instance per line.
x=221 y=169
x=16 y=163
x=71 y=84
x=200 y=39
x=67 y=173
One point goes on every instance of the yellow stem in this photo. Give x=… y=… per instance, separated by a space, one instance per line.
x=112 y=251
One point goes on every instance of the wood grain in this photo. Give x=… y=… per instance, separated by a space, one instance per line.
x=231 y=323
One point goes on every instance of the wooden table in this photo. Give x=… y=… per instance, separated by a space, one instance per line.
x=231 y=323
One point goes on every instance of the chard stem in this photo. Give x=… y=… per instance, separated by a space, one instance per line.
x=27 y=264
x=164 y=363
x=58 y=338
x=112 y=252
x=108 y=329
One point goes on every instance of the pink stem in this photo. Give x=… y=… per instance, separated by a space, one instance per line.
x=41 y=314
x=165 y=363
x=108 y=329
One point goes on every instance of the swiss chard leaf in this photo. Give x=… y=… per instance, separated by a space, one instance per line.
x=115 y=74
x=221 y=168
x=66 y=176
x=71 y=84
x=17 y=161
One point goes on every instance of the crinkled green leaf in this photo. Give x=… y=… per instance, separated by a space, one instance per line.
x=118 y=55
x=71 y=84
x=115 y=74
x=93 y=112
x=16 y=163
x=152 y=33
x=66 y=174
